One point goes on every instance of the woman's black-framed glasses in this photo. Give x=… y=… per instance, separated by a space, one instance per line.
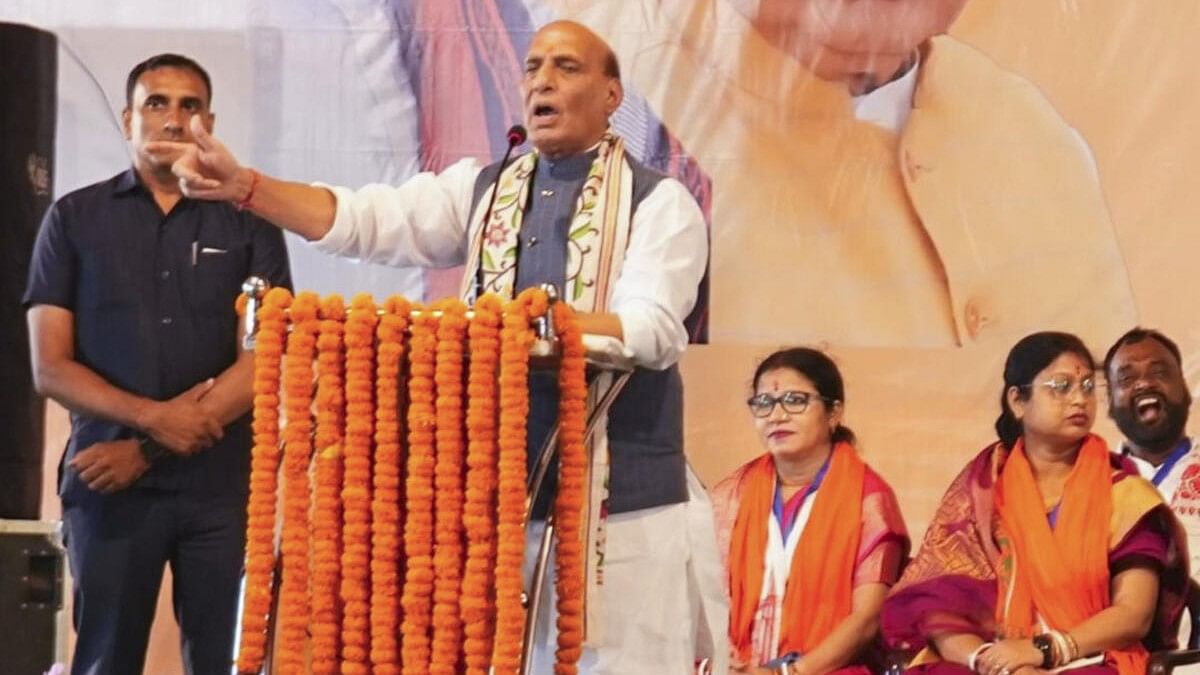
x=793 y=402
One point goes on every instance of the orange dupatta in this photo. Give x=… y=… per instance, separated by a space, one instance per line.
x=1061 y=573
x=819 y=586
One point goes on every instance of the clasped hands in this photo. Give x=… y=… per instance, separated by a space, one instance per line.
x=183 y=425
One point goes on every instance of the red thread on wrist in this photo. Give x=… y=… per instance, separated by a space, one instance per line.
x=244 y=204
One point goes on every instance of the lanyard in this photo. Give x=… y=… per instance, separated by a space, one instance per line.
x=1177 y=454
x=786 y=524
x=1160 y=474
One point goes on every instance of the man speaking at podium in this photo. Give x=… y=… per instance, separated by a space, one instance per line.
x=629 y=257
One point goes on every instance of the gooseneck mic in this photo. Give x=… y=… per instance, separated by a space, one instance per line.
x=516 y=136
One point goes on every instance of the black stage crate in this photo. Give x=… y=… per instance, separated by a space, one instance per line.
x=32 y=622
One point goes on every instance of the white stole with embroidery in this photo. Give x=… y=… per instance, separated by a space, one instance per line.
x=596 y=241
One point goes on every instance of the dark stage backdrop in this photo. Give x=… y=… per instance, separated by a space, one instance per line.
x=28 y=83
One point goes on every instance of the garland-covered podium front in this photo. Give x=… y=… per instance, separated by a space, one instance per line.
x=389 y=495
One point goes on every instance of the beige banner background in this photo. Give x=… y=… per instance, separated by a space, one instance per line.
x=1120 y=73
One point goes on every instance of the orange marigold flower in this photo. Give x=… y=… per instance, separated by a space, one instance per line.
x=515 y=340
x=356 y=483
x=568 y=504
x=264 y=467
x=417 y=595
x=385 y=504
x=476 y=603
x=448 y=481
x=292 y=614
x=327 y=501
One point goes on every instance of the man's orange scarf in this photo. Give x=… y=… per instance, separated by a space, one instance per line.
x=820 y=579
x=1060 y=573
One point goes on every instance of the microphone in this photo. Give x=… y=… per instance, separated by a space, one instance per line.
x=516 y=135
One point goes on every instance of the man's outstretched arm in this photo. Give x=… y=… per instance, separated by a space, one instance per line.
x=208 y=170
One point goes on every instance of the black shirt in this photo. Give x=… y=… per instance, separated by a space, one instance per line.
x=153 y=301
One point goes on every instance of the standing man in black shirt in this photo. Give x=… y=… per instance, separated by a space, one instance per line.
x=133 y=329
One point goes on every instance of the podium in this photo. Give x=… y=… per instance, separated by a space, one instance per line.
x=454 y=468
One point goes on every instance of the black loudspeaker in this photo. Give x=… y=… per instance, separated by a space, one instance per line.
x=28 y=110
x=33 y=627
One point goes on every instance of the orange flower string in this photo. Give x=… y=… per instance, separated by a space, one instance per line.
x=478 y=610
x=385 y=503
x=515 y=340
x=356 y=485
x=448 y=481
x=327 y=501
x=416 y=599
x=568 y=504
x=292 y=618
x=264 y=467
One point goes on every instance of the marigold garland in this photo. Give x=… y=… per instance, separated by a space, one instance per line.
x=385 y=503
x=416 y=599
x=292 y=618
x=327 y=501
x=448 y=482
x=568 y=504
x=264 y=466
x=450 y=623
x=476 y=602
x=515 y=340
x=356 y=485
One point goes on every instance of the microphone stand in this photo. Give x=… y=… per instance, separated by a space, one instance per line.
x=516 y=136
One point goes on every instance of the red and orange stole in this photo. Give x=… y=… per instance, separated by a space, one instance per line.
x=1061 y=573
x=819 y=585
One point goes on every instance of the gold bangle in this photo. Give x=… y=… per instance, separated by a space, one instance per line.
x=1074 y=645
x=1062 y=648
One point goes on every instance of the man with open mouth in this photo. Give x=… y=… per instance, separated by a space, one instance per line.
x=1148 y=398
x=628 y=246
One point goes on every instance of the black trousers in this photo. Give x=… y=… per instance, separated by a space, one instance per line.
x=118 y=545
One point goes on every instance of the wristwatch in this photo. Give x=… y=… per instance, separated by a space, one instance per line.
x=151 y=451
x=782 y=664
x=1045 y=645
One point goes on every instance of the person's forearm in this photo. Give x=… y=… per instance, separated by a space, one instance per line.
x=304 y=209
x=841 y=646
x=957 y=648
x=601 y=324
x=232 y=393
x=81 y=390
x=1125 y=621
x=1111 y=628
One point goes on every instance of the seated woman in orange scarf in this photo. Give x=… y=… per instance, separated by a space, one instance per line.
x=1047 y=551
x=810 y=535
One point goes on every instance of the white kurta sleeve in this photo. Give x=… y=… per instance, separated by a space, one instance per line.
x=665 y=261
x=421 y=223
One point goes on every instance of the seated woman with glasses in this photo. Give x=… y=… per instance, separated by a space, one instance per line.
x=810 y=535
x=1047 y=552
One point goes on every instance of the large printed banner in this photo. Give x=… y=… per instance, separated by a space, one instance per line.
x=1031 y=168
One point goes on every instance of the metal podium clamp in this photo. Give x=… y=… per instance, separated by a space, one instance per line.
x=254 y=288
x=603 y=354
